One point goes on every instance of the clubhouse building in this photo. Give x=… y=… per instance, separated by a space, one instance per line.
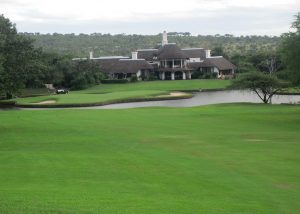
x=165 y=62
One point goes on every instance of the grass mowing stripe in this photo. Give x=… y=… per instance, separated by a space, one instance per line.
x=211 y=159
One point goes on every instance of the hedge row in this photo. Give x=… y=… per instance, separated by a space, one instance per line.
x=7 y=103
x=109 y=81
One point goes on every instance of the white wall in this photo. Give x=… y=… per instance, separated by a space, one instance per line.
x=194 y=60
x=207 y=53
x=91 y=55
x=134 y=55
x=216 y=70
x=138 y=74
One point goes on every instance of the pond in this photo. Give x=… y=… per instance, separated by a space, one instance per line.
x=199 y=99
x=206 y=98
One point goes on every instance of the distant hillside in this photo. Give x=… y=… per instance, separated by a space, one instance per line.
x=106 y=44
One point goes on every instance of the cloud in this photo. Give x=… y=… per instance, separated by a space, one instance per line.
x=137 y=16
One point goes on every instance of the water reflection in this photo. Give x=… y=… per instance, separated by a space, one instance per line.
x=207 y=98
x=199 y=99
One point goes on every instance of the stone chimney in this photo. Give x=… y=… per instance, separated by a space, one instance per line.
x=165 y=38
x=207 y=54
x=91 y=55
x=134 y=55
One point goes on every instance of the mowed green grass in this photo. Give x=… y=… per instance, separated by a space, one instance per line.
x=116 y=92
x=213 y=159
x=75 y=98
x=160 y=85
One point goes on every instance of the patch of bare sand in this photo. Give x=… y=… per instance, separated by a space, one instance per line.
x=47 y=102
x=174 y=94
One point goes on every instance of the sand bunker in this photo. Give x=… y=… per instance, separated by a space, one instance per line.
x=174 y=94
x=47 y=102
x=177 y=94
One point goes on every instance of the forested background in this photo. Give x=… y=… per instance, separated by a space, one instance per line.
x=122 y=44
x=247 y=52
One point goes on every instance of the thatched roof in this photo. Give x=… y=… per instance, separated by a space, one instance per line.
x=219 y=62
x=195 y=52
x=123 y=65
x=171 y=51
x=133 y=66
x=147 y=54
x=108 y=65
x=197 y=65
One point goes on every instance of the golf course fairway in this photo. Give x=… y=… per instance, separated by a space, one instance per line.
x=233 y=158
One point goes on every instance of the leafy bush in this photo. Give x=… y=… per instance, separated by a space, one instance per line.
x=285 y=75
x=209 y=75
x=7 y=103
x=133 y=78
x=204 y=75
x=111 y=81
x=152 y=77
x=79 y=83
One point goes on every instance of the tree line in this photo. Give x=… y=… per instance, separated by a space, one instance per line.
x=122 y=44
x=22 y=65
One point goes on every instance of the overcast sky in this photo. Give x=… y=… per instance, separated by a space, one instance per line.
x=238 y=17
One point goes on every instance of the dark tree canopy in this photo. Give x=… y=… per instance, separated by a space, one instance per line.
x=23 y=65
x=290 y=50
x=219 y=51
x=122 y=44
x=16 y=56
x=264 y=85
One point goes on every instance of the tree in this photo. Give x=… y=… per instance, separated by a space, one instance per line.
x=218 y=51
x=16 y=54
x=268 y=62
x=36 y=70
x=290 y=50
x=56 y=67
x=273 y=63
x=83 y=74
x=242 y=62
x=264 y=85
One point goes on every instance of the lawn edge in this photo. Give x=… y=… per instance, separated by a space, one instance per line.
x=125 y=100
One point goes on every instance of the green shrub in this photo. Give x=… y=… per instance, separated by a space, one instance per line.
x=111 y=81
x=209 y=75
x=79 y=83
x=133 y=78
x=204 y=75
x=7 y=103
x=285 y=75
x=153 y=77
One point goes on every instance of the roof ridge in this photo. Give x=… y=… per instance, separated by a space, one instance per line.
x=131 y=59
x=148 y=49
x=192 y=48
x=214 y=57
x=112 y=57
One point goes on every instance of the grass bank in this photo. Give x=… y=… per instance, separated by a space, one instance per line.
x=175 y=85
x=117 y=93
x=212 y=159
x=76 y=99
